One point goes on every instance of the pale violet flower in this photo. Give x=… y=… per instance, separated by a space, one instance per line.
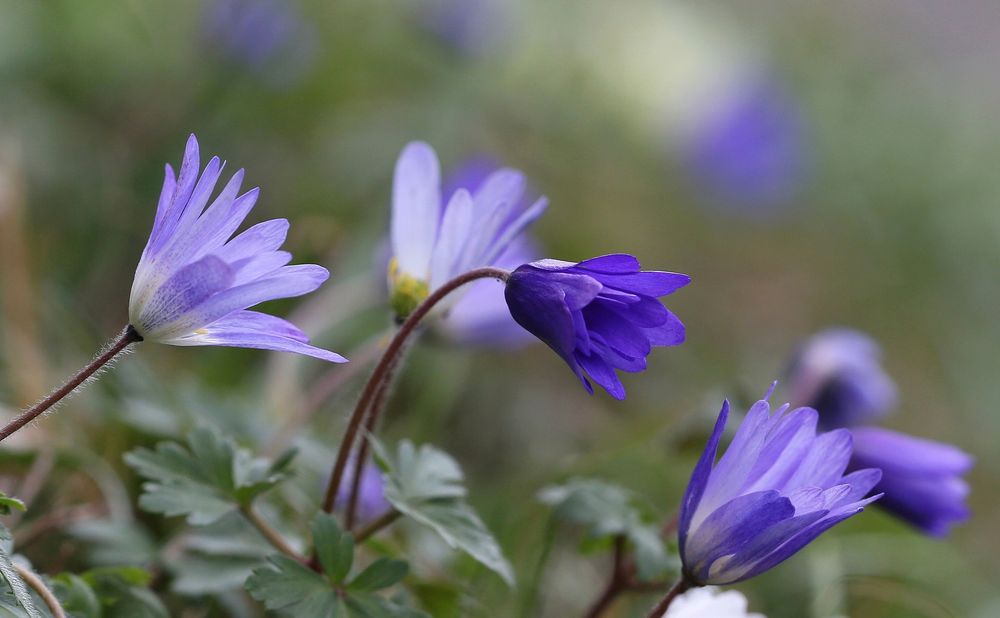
x=432 y=242
x=194 y=282
x=708 y=602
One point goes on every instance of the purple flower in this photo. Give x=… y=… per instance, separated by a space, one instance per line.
x=265 y=36
x=921 y=479
x=839 y=372
x=599 y=315
x=433 y=242
x=468 y=26
x=371 y=499
x=778 y=486
x=194 y=284
x=748 y=152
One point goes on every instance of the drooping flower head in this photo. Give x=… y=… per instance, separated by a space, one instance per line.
x=839 y=373
x=599 y=315
x=194 y=282
x=708 y=602
x=778 y=486
x=432 y=242
x=921 y=479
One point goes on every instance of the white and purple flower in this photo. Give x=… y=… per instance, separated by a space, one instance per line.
x=195 y=281
x=433 y=241
x=599 y=315
x=778 y=486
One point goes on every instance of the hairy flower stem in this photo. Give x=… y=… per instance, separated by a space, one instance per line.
x=371 y=426
x=382 y=370
x=35 y=583
x=679 y=588
x=127 y=338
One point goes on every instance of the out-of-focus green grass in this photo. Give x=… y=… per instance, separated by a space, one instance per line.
x=893 y=232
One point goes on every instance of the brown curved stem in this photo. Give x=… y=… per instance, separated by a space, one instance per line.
x=127 y=338
x=371 y=425
x=616 y=585
x=382 y=369
x=35 y=583
x=679 y=588
x=376 y=524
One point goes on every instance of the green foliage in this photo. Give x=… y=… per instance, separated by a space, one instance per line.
x=218 y=558
x=8 y=503
x=606 y=511
x=425 y=484
x=111 y=592
x=21 y=595
x=206 y=480
x=291 y=587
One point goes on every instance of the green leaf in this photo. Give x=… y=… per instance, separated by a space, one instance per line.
x=109 y=592
x=380 y=574
x=334 y=547
x=373 y=606
x=425 y=485
x=205 y=480
x=21 y=593
x=8 y=503
x=294 y=588
x=608 y=510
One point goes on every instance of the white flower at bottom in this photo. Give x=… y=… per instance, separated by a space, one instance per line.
x=708 y=602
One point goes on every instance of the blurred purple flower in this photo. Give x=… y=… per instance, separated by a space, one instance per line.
x=599 y=315
x=748 y=153
x=193 y=283
x=371 y=499
x=433 y=242
x=266 y=36
x=921 y=479
x=480 y=316
x=468 y=26
x=778 y=486
x=839 y=373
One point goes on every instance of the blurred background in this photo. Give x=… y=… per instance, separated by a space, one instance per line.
x=809 y=164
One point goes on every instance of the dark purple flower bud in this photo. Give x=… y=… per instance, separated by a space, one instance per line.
x=839 y=372
x=599 y=315
x=778 y=486
x=921 y=479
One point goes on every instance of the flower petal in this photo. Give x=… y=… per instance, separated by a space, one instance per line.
x=700 y=478
x=416 y=208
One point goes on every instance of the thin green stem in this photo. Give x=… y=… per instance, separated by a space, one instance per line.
x=273 y=536
x=382 y=370
x=127 y=338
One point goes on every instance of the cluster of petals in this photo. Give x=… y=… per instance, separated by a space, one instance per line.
x=433 y=241
x=778 y=486
x=195 y=280
x=600 y=315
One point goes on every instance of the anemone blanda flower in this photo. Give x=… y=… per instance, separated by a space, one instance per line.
x=432 y=242
x=194 y=282
x=839 y=372
x=921 y=479
x=708 y=602
x=778 y=486
x=599 y=315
